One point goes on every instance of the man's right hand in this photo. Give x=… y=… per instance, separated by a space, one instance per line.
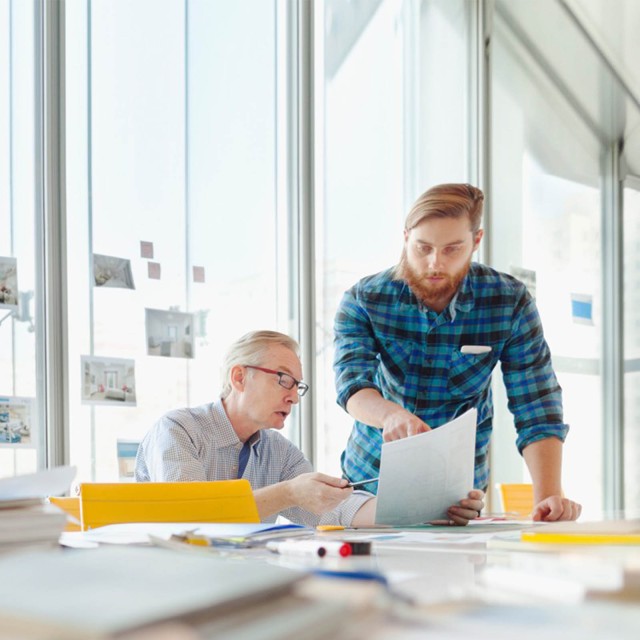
x=400 y=423
x=317 y=492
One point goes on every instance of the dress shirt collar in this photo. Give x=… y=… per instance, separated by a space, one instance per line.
x=226 y=435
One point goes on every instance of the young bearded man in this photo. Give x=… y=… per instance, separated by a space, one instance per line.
x=416 y=346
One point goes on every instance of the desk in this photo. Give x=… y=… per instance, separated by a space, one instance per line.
x=452 y=582
x=470 y=589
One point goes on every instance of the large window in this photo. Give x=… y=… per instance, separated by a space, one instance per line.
x=21 y=417
x=547 y=199
x=173 y=214
x=392 y=88
x=631 y=437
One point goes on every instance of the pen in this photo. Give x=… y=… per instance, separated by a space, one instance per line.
x=359 y=482
x=312 y=548
x=353 y=575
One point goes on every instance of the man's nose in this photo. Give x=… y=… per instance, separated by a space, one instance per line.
x=433 y=259
x=292 y=395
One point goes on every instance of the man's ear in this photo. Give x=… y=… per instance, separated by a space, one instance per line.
x=238 y=377
x=476 y=240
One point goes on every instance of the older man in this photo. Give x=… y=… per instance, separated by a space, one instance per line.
x=237 y=437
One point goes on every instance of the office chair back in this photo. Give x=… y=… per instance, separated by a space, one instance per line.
x=516 y=498
x=70 y=505
x=116 y=503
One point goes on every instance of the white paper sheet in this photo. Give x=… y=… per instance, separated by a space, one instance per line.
x=139 y=532
x=422 y=476
x=50 y=482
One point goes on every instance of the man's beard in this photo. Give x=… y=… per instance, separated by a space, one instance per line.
x=438 y=295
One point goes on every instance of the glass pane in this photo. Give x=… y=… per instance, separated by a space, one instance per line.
x=546 y=200
x=631 y=441
x=21 y=432
x=171 y=209
x=382 y=138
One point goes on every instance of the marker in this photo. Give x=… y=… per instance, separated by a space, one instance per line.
x=310 y=548
x=360 y=482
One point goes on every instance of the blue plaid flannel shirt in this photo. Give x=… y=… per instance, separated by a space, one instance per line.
x=387 y=340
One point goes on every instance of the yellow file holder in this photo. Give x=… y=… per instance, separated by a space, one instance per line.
x=115 y=503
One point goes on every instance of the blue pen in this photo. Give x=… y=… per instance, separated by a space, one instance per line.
x=352 y=575
x=373 y=576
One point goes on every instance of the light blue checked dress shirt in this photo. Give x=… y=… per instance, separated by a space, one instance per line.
x=197 y=444
x=387 y=340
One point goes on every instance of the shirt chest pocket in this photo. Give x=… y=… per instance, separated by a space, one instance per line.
x=469 y=373
x=400 y=359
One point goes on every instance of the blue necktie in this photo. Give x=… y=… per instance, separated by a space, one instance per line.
x=243 y=458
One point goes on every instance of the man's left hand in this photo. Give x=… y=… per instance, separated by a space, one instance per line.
x=467 y=509
x=556 y=508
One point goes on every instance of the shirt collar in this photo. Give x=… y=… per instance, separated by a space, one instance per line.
x=225 y=433
x=463 y=300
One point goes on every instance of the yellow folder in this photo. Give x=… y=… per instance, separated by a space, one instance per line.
x=115 y=503
x=608 y=532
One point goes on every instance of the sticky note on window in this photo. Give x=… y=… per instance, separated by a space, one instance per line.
x=582 y=308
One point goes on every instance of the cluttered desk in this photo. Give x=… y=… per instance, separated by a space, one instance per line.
x=496 y=578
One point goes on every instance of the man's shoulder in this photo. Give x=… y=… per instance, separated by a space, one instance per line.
x=274 y=439
x=189 y=416
x=488 y=281
x=378 y=284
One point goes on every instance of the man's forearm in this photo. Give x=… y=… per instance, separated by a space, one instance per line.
x=369 y=407
x=544 y=460
x=273 y=499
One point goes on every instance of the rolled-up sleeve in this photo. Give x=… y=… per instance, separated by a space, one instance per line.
x=355 y=360
x=535 y=397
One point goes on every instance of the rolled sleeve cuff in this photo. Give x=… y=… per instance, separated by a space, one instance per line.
x=351 y=389
x=345 y=512
x=541 y=432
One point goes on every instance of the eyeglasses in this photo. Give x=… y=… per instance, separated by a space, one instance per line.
x=284 y=379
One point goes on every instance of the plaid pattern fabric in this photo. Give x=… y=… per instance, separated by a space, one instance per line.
x=387 y=340
x=197 y=444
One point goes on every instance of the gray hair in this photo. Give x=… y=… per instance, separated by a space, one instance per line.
x=250 y=349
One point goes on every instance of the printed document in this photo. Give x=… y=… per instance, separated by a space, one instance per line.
x=422 y=476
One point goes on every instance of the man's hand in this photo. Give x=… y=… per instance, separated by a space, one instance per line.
x=556 y=508
x=468 y=508
x=317 y=492
x=400 y=423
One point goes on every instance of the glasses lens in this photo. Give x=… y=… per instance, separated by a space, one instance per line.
x=302 y=388
x=286 y=381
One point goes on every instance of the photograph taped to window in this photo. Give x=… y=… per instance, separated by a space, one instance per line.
x=169 y=333
x=109 y=271
x=8 y=283
x=108 y=381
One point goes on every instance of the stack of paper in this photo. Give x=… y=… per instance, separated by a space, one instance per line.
x=32 y=523
x=26 y=520
x=110 y=592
